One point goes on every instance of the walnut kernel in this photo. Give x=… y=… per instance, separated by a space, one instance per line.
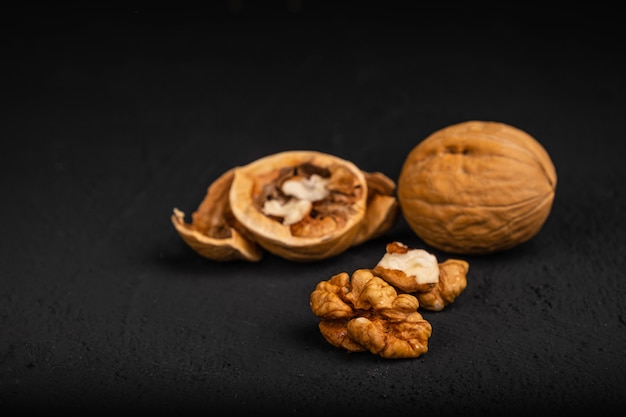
x=365 y=313
x=405 y=267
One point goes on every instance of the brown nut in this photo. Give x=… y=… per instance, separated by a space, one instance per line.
x=418 y=272
x=409 y=270
x=452 y=282
x=365 y=313
x=300 y=205
x=477 y=187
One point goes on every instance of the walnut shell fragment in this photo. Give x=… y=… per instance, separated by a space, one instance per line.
x=477 y=187
x=418 y=272
x=214 y=233
x=300 y=205
x=365 y=313
x=382 y=207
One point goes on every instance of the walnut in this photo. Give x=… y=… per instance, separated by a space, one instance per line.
x=214 y=232
x=477 y=187
x=365 y=313
x=418 y=272
x=382 y=207
x=408 y=269
x=300 y=205
x=452 y=282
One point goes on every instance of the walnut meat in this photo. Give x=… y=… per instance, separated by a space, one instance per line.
x=300 y=205
x=365 y=313
x=418 y=272
x=452 y=282
x=410 y=270
x=477 y=187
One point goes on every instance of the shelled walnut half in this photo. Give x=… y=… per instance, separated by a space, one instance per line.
x=376 y=309
x=418 y=272
x=365 y=313
x=300 y=205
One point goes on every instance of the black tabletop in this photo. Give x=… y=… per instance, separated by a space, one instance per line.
x=112 y=118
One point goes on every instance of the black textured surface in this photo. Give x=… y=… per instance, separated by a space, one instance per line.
x=111 y=119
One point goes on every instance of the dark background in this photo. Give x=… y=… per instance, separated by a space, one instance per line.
x=112 y=117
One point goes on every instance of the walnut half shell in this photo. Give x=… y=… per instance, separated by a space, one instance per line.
x=214 y=233
x=300 y=205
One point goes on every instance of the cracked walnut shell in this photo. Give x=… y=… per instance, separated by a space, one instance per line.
x=214 y=232
x=365 y=313
x=477 y=187
x=300 y=205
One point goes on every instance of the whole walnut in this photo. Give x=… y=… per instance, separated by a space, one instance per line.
x=477 y=187
x=365 y=313
x=300 y=205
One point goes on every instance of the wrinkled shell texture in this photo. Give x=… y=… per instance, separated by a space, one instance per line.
x=477 y=187
x=236 y=222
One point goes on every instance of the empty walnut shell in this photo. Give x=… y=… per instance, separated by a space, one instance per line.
x=300 y=205
x=214 y=233
x=477 y=187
